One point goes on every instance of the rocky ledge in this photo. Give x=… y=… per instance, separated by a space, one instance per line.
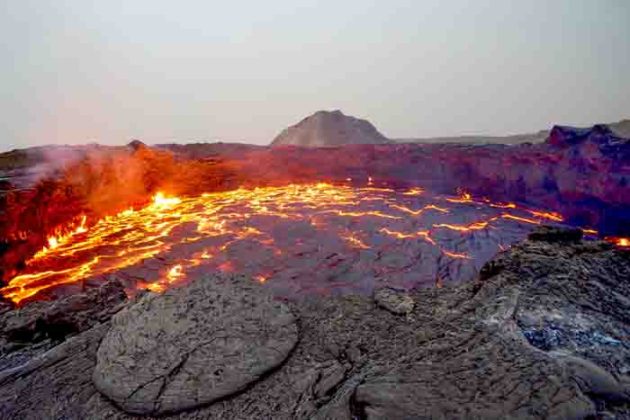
x=543 y=332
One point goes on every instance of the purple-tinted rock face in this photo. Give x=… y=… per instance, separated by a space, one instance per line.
x=599 y=138
x=581 y=173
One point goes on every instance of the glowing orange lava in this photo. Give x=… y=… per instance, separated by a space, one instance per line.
x=214 y=229
x=472 y=226
x=620 y=242
x=62 y=236
x=464 y=197
x=456 y=255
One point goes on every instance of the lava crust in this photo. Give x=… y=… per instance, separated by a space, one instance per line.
x=298 y=239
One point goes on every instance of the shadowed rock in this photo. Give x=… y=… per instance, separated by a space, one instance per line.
x=555 y=234
x=31 y=329
x=136 y=144
x=193 y=345
x=55 y=384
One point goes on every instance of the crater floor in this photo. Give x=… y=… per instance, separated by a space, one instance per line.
x=298 y=239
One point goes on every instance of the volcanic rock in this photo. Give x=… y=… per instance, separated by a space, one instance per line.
x=136 y=144
x=55 y=384
x=395 y=301
x=599 y=140
x=542 y=335
x=72 y=314
x=325 y=128
x=553 y=323
x=329 y=378
x=555 y=234
x=50 y=322
x=193 y=345
x=621 y=128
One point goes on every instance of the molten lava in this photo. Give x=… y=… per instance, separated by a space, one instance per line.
x=297 y=237
x=62 y=236
x=620 y=242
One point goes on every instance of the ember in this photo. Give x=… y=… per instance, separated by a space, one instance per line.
x=276 y=233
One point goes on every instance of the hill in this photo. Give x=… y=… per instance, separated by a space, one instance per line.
x=330 y=128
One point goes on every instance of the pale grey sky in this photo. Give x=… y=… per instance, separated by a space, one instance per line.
x=75 y=71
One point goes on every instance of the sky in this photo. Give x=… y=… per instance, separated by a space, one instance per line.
x=79 y=71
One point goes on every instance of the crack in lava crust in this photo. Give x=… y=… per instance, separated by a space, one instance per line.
x=317 y=238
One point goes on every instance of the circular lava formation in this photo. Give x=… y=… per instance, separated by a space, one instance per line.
x=299 y=239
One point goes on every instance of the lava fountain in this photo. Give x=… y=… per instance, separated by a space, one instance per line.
x=313 y=238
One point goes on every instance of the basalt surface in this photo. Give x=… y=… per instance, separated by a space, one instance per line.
x=193 y=345
x=542 y=332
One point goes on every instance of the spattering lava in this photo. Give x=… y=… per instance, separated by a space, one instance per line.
x=299 y=237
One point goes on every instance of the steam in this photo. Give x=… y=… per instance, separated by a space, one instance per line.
x=67 y=183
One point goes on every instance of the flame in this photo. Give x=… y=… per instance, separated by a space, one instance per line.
x=62 y=236
x=162 y=202
x=619 y=241
x=53 y=242
x=155 y=287
x=464 y=197
x=246 y=217
x=175 y=273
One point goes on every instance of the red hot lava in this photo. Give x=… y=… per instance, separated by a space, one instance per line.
x=297 y=238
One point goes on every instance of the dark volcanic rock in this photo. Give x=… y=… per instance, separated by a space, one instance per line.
x=600 y=137
x=136 y=145
x=555 y=234
x=193 y=345
x=543 y=335
x=37 y=326
x=551 y=319
x=325 y=128
x=53 y=385
x=56 y=319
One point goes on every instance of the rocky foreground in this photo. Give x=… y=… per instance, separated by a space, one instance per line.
x=543 y=332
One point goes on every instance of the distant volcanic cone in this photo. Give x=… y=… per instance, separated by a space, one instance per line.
x=330 y=128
